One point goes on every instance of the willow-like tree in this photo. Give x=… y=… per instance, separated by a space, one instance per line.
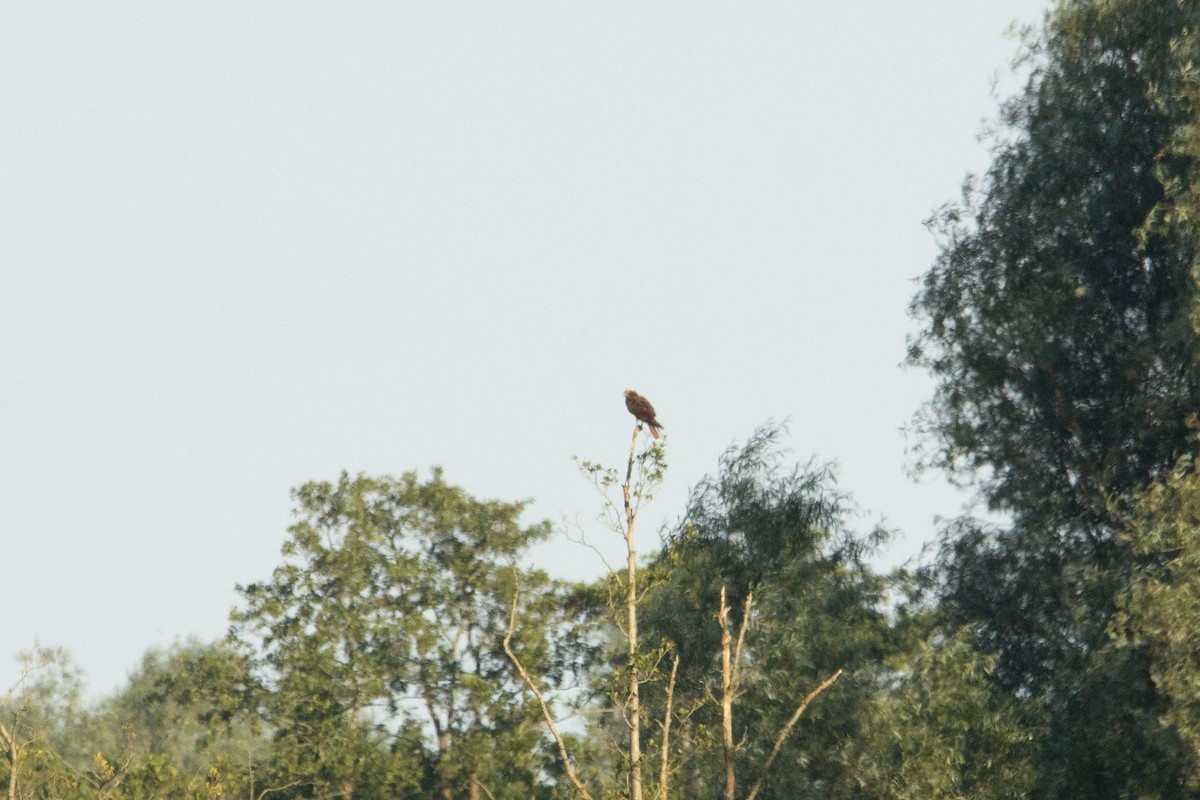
x=786 y=535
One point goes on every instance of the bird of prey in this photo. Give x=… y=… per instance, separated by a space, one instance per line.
x=640 y=407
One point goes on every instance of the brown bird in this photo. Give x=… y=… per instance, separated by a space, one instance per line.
x=640 y=407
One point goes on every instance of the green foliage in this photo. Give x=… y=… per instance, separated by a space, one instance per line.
x=1045 y=319
x=940 y=730
x=36 y=712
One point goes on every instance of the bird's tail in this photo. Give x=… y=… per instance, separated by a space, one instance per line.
x=655 y=429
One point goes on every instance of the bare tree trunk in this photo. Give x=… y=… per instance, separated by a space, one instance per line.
x=447 y=789
x=731 y=663
x=633 y=703
x=9 y=740
x=727 y=668
x=443 y=744
x=634 y=492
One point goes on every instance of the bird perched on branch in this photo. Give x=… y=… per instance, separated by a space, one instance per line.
x=640 y=407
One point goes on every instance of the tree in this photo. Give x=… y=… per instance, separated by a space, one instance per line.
x=170 y=704
x=377 y=645
x=176 y=727
x=1056 y=320
x=1059 y=336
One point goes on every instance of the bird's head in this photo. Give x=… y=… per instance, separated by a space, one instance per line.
x=630 y=393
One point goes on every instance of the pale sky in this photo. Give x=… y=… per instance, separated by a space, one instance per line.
x=244 y=245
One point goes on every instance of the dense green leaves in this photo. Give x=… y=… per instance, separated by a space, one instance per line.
x=941 y=730
x=1062 y=340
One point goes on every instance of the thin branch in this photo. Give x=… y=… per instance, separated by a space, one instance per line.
x=741 y=637
x=80 y=774
x=787 y=729
x=562 y=747
x=483 y=786
x=581 y=539
x=630 y=514
x=273 y=789
x=623 y=711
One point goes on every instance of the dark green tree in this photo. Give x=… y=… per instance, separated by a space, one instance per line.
x=1057 y=322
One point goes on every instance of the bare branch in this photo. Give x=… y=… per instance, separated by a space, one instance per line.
x=741 y=637
x=273 y=789
x=562 y=747
x=12 y=751
x=581 y=539
x=630 y=514
x=787 y=729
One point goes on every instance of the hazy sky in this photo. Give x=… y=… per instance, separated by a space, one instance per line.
x=244 y=245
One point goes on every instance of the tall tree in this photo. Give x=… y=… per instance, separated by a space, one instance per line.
x=1056 y=321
